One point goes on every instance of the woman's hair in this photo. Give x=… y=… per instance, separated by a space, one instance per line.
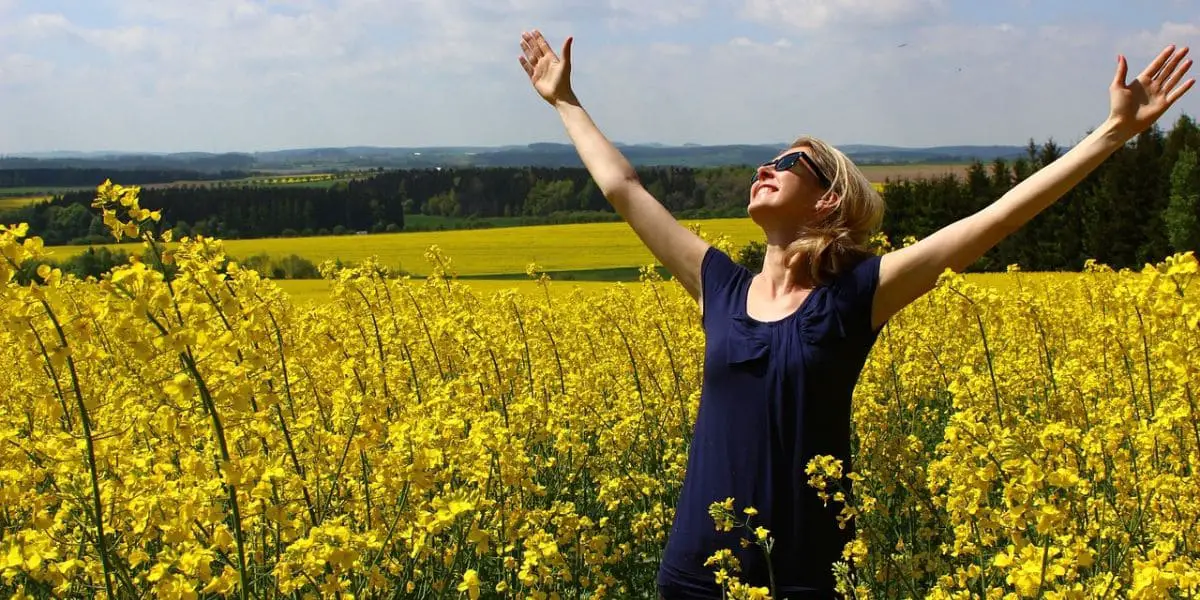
x=840 y=239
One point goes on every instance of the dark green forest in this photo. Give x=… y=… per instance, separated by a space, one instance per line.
x=1138 y=207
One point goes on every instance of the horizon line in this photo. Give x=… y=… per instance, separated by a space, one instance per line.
x=40 y=153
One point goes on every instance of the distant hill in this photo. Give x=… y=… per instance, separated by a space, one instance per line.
x=537 y=154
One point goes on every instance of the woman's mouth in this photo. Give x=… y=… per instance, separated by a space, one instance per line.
x=762 y=186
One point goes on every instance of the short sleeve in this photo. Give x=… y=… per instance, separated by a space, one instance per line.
x=719 y=278
x=856 y=294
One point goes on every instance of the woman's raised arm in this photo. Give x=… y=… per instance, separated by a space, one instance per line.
x=676 y=247
x=906 y=274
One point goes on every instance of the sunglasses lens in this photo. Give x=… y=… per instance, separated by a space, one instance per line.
x=783 y=163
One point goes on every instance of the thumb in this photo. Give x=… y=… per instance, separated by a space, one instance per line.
x=566 y=50
x=1122 y=71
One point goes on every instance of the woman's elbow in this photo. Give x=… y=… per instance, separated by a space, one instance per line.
x=620 y=186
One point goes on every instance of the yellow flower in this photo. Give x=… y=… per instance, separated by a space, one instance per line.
x=1013 y=431
x=761 y=533
x=470 y=584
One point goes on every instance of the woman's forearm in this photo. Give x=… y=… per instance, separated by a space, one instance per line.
x=1033 y=195
x=608 y=167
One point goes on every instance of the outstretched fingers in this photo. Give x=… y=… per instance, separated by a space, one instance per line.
x=1168 y=69
x=1171 y=73
x=1178 y=70
x=1157 y=64
x=530 y=54
x=527 y=47
x=541 y=46
x=1178 y=92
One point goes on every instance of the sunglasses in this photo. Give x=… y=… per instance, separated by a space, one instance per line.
x=787 y=161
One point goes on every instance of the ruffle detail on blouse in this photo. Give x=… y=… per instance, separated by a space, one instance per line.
x=819 y=323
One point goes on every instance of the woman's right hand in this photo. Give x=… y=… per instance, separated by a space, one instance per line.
x=549 y=74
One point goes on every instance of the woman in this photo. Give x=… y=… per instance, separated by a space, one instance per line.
x=784 y=347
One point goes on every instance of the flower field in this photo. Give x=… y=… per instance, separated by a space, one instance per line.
x=205 y=436
x=476 y=251
x=11 y=202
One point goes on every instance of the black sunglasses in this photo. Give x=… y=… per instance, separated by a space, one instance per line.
x=787 y=161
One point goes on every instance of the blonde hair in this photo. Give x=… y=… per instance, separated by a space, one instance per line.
x=841 y=239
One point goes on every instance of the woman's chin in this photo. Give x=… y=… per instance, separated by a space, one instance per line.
x=769 y=215
x=760 y=213
x=760 y=208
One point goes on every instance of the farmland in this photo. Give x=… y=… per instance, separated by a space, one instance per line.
x=480 y=252
x=1040 y=285
x=213 y=436
x=590 y=255
x=17 y=201
x=299 y=180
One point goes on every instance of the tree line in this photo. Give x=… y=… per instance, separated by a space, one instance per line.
x=38 y=177
x=190 y=162
x=1137 y=207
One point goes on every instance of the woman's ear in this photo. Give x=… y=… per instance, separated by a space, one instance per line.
x=827 y=204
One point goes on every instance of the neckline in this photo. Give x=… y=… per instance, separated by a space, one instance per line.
x=745 y=305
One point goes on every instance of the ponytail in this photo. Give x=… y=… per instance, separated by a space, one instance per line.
x=826 y=251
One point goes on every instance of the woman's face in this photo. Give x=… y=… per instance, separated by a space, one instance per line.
x=788 y=189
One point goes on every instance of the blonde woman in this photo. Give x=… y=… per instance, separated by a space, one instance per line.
x=784 y=347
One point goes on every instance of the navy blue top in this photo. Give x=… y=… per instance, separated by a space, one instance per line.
x=775 y=394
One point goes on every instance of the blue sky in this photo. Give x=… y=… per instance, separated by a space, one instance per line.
x=247 y=75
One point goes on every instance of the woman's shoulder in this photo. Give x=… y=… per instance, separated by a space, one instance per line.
x=720 y=278
x=721 y=265
x=860 y=275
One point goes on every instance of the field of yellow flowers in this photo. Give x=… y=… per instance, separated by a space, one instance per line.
x=203 y=436
x=475 y=251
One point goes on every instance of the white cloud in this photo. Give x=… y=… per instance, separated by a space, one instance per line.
x=1151 y=42
x=643 y=12
x=818 y=14
x=23 y=69
x=43 y=24
x=671 y=49
x=261 y=74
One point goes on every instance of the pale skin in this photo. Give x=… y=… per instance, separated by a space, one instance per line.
x=904 y=275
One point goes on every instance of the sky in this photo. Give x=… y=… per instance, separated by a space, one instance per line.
x=257 y=75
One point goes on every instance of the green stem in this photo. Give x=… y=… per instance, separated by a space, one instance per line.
x=85 y=419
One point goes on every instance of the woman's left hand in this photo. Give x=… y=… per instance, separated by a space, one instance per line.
x=1137 y=105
